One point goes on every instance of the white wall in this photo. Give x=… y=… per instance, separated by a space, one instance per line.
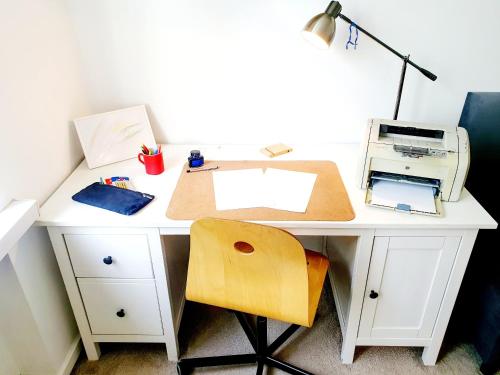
x=7 y=363
x=18 y=328
x=38 y=273
x=239 y=71
x=40 y=92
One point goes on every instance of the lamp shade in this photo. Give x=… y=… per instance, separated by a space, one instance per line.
x=320 y=30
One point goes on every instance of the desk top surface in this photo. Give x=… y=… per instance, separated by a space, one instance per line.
x=61 y=210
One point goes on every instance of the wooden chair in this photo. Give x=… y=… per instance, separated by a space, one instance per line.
x=254 y=269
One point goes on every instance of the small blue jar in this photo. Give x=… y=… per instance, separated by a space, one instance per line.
x=196 y=159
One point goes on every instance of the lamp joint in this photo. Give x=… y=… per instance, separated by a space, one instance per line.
x=334 y=9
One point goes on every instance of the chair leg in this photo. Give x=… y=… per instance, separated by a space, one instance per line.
x=260 y=367
x=261 y=343
x=247 y=328
x=185 y=366
x=273 y=362
x=261 y=335
x=282 y=338
x=262 y=354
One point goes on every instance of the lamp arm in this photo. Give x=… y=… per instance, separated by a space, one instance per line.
x=425 y=72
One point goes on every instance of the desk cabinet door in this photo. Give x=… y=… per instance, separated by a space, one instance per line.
x=406 y=283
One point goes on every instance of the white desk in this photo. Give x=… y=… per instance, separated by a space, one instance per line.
x=422 y=259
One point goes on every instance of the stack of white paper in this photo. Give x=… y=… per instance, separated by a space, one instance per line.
x=238 y=189
x=274 y=188
x=390 y=193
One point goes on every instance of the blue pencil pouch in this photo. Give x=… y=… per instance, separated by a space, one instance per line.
x=112 y=198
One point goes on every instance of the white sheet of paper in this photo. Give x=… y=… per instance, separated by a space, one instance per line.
x=390 y=193
x=238 y=189
x=288 y=190
x=276 y=188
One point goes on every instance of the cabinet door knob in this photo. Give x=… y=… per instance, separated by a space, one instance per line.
x=373 y=294
x=120 y=313
x=108 y=260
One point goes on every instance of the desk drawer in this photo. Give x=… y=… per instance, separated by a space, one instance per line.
x=121 y=307
x=108 y=255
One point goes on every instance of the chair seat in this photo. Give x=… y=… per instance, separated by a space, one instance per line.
x=317 y=265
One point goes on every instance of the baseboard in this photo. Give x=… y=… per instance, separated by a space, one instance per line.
x=71 y=357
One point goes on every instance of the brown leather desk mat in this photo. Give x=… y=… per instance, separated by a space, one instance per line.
x=194 y=196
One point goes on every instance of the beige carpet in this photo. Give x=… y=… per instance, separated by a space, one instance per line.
x=210 y=331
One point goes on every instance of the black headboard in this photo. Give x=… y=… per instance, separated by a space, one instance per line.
x=481 y=118
x=476 y=312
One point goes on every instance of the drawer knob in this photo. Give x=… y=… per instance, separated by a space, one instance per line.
x=373 y=294
x=120 y=313
x=108 y=260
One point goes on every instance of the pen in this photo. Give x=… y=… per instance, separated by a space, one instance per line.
x=201 y=170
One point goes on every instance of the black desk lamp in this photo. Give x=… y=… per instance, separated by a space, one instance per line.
x=320 y=31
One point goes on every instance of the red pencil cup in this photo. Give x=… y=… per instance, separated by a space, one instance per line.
x=153 y=163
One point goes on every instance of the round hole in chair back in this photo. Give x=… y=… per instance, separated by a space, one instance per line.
x=243 y=247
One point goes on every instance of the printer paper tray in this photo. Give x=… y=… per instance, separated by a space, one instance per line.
x=408 y=204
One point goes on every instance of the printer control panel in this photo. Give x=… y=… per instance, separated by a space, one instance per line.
x=417 y=152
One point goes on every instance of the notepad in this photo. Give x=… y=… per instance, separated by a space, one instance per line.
x=273 y=188
x=390 y=194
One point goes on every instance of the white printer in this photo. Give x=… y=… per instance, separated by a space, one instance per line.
x=411 y=167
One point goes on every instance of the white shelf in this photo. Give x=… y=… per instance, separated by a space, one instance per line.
x=15 y=220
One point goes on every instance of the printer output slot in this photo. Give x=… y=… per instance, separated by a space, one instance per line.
x=385 y=130
x=405 y=179
x=404 y=193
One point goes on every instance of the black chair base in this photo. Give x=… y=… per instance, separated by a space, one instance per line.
x=262 y=356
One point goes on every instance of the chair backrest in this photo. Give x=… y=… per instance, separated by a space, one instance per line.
x=250 y=268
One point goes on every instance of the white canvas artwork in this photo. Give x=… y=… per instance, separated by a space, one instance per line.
x=114 y=136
